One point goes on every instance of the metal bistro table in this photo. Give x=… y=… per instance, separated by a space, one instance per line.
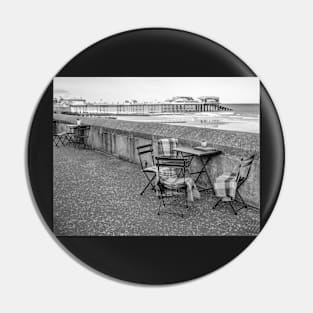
x=191 y=153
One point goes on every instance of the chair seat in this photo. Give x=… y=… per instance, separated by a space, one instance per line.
x=151 y=169
x=174 y=183
x=226 y=174
x=169 y=178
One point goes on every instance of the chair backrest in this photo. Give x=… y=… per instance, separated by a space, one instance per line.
x=145 y=154
x=167 y=146
x=82 y=130
x=171 y=167
x=244 y=168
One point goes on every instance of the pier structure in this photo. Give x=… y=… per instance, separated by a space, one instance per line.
x=143 y=108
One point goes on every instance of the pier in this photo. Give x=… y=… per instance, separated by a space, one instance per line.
x=141 y=108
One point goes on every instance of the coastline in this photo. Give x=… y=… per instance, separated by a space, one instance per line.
x=213 y=120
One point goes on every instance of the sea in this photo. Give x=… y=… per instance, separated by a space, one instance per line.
x=242 y=118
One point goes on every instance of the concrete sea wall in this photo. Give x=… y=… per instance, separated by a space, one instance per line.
x=121 y=138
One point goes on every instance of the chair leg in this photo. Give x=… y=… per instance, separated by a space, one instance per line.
x=62 y=139
x=150 y=183
x=161 y=201
x=65 y=140
x=241 y=199
x=159 y=209
x=186 y=202
x=186 y=199
x=57 y=140
x=143 y=191
x=230 y=203
x=216 y=204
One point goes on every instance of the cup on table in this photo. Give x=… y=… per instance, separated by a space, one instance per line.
x=204 y=143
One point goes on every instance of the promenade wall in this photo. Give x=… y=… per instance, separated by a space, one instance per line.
x=120 y=138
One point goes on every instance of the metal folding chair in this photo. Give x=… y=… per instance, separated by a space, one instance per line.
x=70 y=132
x=146 y=158
x=81 y=134
x=171 y=180
x=59 y=138
x=234 y=181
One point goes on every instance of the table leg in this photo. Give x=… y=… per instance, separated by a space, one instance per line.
x=204 y=170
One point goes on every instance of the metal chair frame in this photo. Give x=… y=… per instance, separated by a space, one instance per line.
x=71 y=136
x=79 y=138
x=181 y=165
x=59 y=138
x=244 y=163
x=147 y=170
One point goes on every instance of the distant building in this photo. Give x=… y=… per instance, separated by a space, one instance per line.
x=74 y=101
x=180 y=99
x=64 y=105
x=209 y=99
x=130 y=101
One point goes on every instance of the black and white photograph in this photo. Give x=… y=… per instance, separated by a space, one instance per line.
x=156 y=156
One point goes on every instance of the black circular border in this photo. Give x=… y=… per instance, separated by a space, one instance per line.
x=155 y=52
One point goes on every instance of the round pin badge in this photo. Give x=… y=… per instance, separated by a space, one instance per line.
x=155 y=156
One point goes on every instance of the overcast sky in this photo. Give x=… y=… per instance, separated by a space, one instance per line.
x=118 y=89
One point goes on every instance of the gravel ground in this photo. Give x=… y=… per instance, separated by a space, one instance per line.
x=95 y=194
